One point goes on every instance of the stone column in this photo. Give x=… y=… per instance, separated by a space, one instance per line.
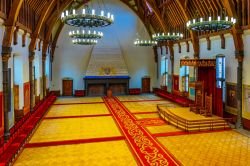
x=171 y=51
x=31 y=58
x=6 y=54
x=239 y=55
x=43 y=74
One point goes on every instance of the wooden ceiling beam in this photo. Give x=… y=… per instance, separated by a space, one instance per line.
x=194 y=36
x=10 y=23
x=236 y=31
x=165 y=3
x=157 y=12
x=46 y=11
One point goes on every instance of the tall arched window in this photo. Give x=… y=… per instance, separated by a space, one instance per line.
x=184 y=74
x=164 y=71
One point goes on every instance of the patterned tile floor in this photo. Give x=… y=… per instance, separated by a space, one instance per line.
x=110 y=153
x=77 y=110
x=216 y=148
x=69 y=100
x=75 y=128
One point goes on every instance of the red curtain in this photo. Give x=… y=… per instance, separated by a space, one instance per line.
x=1 y=115
x=176 y=82
x=208 y=76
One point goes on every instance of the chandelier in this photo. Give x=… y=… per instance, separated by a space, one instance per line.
x=221 y=22
x=167 y=37
x=88 y=18
x=84 y=41
x=145 y=42
x=82 y=34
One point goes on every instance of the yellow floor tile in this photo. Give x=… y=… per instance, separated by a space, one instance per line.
x=139 y=97
x=68 y=100
x=144 y=116
x=75 y=128
x=77 y=109
x=184 y=112
x=149 y=106
x=162 y=129
x=90 y=154
x=218 y=148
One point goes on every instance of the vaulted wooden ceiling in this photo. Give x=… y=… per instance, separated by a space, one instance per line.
x=157 y=15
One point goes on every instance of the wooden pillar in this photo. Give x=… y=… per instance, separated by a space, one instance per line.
x=43 y=74
x=6 y=54
x=31 y=58
x=239 y=55
x=156 y=60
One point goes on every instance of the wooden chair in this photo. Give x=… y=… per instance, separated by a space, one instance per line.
x=207 y=110
x=199 y=98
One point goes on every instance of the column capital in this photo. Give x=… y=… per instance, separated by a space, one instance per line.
x=44 y=55
x=31 y=56
x=6 y=53
x=171 y=57
x=239 y=55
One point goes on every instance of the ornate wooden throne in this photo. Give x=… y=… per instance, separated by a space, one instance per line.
x=199 y=97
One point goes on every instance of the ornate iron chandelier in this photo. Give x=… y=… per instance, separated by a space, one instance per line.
x=167 y=37
x=83 y=34
x=88 y=18
x=145 y=42
x=221 y=22
x=84 y=41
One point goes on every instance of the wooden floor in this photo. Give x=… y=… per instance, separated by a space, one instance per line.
x=83 y=131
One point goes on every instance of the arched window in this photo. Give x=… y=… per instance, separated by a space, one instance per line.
x=164 y=71
x=184 y=74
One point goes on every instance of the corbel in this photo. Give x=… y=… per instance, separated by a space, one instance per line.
x=223 y=42
x=15 y=40
x=179 y=47
x=187 y=46
x=208 y=43
x=24 y=39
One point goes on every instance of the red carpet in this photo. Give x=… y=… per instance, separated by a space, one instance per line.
x=21 y=133
x=147 y=150
x=70 y=142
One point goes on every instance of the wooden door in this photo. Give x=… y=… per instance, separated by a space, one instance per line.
x=67 y=87
x=145 y=85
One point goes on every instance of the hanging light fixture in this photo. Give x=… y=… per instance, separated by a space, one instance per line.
x=85 y=34
x=221 y=22
x=145 y=42
x=87 y=18
x=84 y=41
x=167 y=37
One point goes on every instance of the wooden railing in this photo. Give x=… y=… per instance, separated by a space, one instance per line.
x=191 y=125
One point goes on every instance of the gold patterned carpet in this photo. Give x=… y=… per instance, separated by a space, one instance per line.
x=93 y=121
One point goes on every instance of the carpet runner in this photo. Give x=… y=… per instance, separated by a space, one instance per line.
x=147 y=150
